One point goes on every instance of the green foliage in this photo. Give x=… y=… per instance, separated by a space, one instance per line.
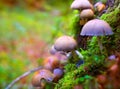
x=17 y=25
x=94 y=65
x=75 y=23
x=112 y=18
x=112 y=42
x=10 y=68
x=94 y=61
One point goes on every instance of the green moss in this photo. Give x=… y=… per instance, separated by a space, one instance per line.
x=112 y=18
x=80 y=75
x=112 y=42
x=95 y=63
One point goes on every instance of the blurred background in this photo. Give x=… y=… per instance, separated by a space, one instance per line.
x=28 y=28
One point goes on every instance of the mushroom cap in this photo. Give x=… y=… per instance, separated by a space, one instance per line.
x=53 y=50
x=51 y=62
x=96 y=4
x=42 y=74
x=96 y=27
x=81 y=4
x=99 y=6
x=58 y=72
x=87 y=13
x=65 y=43
x=63 y=58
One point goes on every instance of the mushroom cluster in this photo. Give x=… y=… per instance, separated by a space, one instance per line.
x=52 y=70
x=53 y=66
x=91 y=25
x=64 y=46
x=85 y=8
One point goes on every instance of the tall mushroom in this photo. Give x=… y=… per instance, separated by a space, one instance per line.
x=97 y=28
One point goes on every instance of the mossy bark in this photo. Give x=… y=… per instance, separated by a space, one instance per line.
x=95 y=65
x=112 y=43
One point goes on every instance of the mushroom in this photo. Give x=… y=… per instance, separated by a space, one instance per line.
x=51 y=62
x=81 y=4
x=58 y=73
x=97 y=28
x=63 y=59
x=87 y=13
x=65 y=43
x=41 y=77
x=99 y=6
x=53 y=50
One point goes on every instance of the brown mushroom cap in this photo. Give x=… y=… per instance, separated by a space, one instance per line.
x=96 y=27
x=81 y=4
x=100 y=7
x=41 y=74
x=87 y=13
x=65 y=43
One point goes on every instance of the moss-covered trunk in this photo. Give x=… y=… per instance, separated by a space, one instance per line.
x=97 y=72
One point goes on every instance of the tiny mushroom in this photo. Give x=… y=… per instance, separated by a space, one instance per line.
x=97 y=28
x=65 y=43
x=81 y=4
x=63 y=59
x=51 y=62
x=87 y=13
x=99 y=6
x=53 y=50
x=41 y=77
x=58 y=73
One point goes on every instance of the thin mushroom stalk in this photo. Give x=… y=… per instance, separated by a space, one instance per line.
x=79 y=54
x=100 y=44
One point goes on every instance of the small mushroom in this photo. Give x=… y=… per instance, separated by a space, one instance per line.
x=99 y=6
x=51 y=62
x=87 y=13
x=97 y=28
x=41 y=77
x=81 y=4
x=58 y=73
x=53 y=50
x=63 y=59
x=65 y=43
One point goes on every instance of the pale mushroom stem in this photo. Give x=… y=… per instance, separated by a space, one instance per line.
x=99 y=43
x=79 y=54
